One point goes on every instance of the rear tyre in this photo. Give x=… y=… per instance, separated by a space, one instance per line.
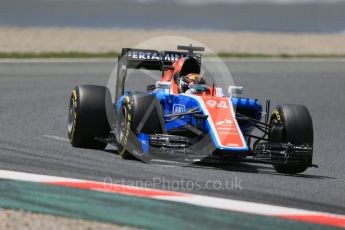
x=298 y=129
x=87 y=116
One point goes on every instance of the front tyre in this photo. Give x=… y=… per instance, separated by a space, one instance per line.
x=139 y=113
x=87 y=116
x=297 y=129
x=124 y=130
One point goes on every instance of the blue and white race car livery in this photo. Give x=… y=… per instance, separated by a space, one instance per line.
x=183 y=119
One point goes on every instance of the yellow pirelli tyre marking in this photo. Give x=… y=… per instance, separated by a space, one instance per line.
x=128 y=125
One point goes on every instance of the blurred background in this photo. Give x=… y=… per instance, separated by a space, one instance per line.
x=309 y=27
x=318 y=16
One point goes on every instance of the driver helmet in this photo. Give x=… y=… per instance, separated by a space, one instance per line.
x=188 y=80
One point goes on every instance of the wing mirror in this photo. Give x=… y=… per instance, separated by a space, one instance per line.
x=234 y=90
x=163 y=85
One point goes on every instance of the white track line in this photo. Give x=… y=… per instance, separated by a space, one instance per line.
x=56 y=138
x=238 y=206
x=204 y=201
x=22 y=176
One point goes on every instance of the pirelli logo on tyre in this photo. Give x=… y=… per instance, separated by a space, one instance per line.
x=129 y=118
x=277 y=114
x=75 y=105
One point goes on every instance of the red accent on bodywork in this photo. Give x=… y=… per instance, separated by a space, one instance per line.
x=169 y=74
x=224 y=121
x=178 y=64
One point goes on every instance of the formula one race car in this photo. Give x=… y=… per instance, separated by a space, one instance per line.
x=181 y=118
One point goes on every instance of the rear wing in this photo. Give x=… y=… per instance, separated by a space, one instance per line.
x=150 y=60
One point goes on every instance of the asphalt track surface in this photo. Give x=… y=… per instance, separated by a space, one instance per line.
x=33 y=115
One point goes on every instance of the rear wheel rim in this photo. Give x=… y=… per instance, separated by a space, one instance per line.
x=71 y=112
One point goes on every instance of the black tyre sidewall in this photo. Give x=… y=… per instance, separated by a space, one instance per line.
x=298 y=124
x=298 y=129
x=91 y=119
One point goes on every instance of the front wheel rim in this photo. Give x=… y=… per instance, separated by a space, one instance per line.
x=123 y=124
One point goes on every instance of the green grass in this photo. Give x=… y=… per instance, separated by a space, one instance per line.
x=4 y=55
x=256 y=55
x=58 y=55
